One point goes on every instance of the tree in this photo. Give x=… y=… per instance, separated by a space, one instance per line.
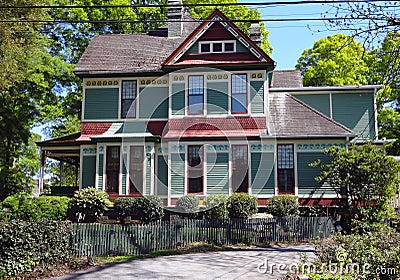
x=234 y=12
x=366 y=181
x=334 y=61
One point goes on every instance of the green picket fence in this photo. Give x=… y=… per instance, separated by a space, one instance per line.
x=115 y=239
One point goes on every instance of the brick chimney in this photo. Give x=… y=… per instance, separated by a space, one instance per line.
x=175 y=12
x=255 y=33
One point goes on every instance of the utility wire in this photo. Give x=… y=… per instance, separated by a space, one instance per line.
x=190 y=5
x=166 y=21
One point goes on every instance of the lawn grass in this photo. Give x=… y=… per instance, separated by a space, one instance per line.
x=198 y=247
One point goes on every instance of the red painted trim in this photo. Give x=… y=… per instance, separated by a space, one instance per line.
x=231 y=24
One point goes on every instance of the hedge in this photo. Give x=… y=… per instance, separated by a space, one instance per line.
x=29 y=245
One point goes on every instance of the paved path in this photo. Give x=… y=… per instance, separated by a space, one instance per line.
x=240 y=264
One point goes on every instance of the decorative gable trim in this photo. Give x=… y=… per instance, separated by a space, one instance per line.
x=217 y=16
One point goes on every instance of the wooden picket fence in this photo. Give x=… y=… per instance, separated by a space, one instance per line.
x=134 y=239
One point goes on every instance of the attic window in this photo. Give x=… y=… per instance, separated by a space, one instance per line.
x=217 y=46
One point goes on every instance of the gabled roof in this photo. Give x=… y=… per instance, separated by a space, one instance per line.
x=131 y=53
x=286 y=79
x=292 y=118
x=227 y=29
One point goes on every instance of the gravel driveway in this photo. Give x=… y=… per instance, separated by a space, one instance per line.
x=258 y=263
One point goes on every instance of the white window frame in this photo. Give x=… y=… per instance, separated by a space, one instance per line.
x=211 y=43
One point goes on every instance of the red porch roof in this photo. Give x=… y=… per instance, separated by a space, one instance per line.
x=216 y=127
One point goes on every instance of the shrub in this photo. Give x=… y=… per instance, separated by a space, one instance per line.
x=123 y=207
x=27 y=245
x=88 y=205
x=216 y=206
x=284 y=205
x=148 y=208
x=241 y=206
x=377 y=252
x=188 y=204
x=52 y=207
x=21 y=206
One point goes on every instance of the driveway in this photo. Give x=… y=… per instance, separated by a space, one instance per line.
x=258 y=263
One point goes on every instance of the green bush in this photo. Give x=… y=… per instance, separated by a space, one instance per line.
x=148 y=208
x=123 y=207
x=241 y=206
x=88 y=205
x=22 y=206
x=29 y=245
x=284 y=205
x=52 y=207
x=374 y=251
x=216 y=206
x=188 y=205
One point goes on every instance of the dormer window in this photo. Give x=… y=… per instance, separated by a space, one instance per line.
x=217 y=46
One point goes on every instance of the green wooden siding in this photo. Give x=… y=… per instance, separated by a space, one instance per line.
x=320 y=102
x=257 y=97
x=217 y=97
x=218 y=173
x=162 y=176
x=100 y=173
x=88 y=171
x=177 y=174
x=101 y=104
x=124 y=173
x=306 y=174
x=148 y=176
x=262 y=174
x=355 y=111
x=178 y=99
x=153 y=102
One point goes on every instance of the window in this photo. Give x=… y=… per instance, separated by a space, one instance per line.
x=229 y=47
x=136 y=169
x=128 y=97
x=240 y=168
x=112 y=169
x=195 y=169
x=286 y=168
x=217 y=47
x=196 y=95
x=239 y=93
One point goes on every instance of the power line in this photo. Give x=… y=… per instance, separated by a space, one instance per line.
x=189 y=5
x=166 y=21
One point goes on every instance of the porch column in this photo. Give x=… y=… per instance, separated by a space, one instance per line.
x=41 y=175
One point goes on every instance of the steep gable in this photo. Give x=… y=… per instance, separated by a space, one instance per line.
x=218 y=42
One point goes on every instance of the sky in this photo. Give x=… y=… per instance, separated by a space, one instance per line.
x=289 y=39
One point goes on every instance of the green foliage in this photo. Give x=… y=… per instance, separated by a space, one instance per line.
x=23 y=206
x=216 y=206
x=284 y=205
x=123 y=207
x=188 y=204
x=88 y=205
x=336 y=60
x=29 y=245
x=232 y=12
x=148 y=208
x=373 y=251
x=241 y=206
x=366 y=179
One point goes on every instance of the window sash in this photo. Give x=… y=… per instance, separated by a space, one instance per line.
x=196 y=95
x=240 y=168
x=239 y=93
x=286 y=180
x=128 y=98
